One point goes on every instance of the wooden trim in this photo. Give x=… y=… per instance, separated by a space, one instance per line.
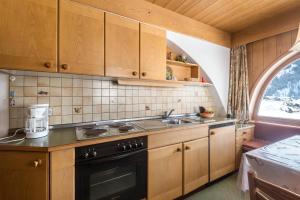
x=166 y=83
x=147 y=12
x=262 y=90
x=270 y=27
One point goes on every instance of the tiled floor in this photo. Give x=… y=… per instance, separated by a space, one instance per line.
x=224 y=190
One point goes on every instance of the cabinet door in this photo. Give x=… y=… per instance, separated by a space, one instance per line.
x=165 y=172
x=121 y=47
x=195 y=164
x=62 y=179
x=24 y=175
x=81 y=39
x=222 y=151
x=28 y=35
x=153 y=52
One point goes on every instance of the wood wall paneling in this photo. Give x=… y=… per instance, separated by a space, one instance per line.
x=263 y=53
x=149 y=13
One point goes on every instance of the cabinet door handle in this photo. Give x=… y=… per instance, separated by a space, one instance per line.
x=244 y=133
x=178 y=150
x=144 y=74
x=187 y=148
x=212 y=133
x=37 y=162
x=47 y=64
x=134 y=73
x=64 y=66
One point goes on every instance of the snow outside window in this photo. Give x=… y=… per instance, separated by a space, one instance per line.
x=282 y=96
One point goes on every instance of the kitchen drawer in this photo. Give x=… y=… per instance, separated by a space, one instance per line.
x=244 y=135
x=168 y=137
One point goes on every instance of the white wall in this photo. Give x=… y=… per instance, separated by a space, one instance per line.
x=213 y=59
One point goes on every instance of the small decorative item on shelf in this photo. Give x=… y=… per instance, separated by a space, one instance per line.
x=181 y=58
x=203 y=80
x=169 y=55
x=206 y=113
x=169 y=74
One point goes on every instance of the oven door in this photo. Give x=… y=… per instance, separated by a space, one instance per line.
x=122 y=177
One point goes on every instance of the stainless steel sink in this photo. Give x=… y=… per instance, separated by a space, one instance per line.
x=176 y=121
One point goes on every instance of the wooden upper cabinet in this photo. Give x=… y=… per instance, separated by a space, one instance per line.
x=153 y=50
x=24 y=175
x=28 y=35
x=195 y=166
x=165 y=172
x=222 y=151
x=121 y=46
x=81 y=39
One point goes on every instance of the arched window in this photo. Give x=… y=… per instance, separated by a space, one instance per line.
x=280 y=101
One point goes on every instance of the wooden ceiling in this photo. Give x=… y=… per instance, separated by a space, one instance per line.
x=229 y=15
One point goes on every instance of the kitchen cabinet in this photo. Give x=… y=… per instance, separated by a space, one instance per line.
x=165 y=172
x=28 y=31
x=222 y=151
x=242 y=135
x=24 y=175
x=195 y=164
x=81 y=39
x=177 y=162
x=121 y=47
x=62 y=175
x=37 y=175
x=153 y=52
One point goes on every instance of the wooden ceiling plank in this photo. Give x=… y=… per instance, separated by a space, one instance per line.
x=273 y=26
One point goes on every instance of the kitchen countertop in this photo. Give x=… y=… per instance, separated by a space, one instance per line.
x=244 y=126
x=64 y=138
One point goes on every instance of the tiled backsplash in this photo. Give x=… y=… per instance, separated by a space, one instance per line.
x=79 y=98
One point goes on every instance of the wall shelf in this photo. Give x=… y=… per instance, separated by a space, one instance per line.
x=183 y=64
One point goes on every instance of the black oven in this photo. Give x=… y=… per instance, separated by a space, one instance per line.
x=112 y=171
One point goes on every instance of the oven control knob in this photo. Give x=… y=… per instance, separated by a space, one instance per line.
x=123 y=148
x=129 y=146
x=141 y=144
x=94 y=153
x=86 y=155
x=135 y=145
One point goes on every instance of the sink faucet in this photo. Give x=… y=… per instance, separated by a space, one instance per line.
x=167 y=115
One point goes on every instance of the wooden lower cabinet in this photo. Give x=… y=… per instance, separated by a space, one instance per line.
x=37 y=175
x=222 y=151
x=242 y=135
x=24 y=175
x=165 y=172
x=195 y=164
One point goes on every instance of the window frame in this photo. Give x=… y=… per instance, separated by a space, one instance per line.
x=277 y=120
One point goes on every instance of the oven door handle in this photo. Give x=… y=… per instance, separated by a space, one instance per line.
x=107 y=159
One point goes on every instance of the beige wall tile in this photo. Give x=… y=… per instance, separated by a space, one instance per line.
x=55 y=91
x=30 y=81
x=87 y=101
x=43 y=100
x=87 y=109
x=96 y=84
x=55 y=82
x=105 y=116
x=67 y=119
x=77 y=92
x=97 y=117
x=28 y=101
x=67 y=82
x=67 y=110
x=77 y=82
x=97 y=92
x=19 y=81
x=43 y=81
x=87 y=83
x=97 y=109
x=55 y=120
x=87 y=117
x=55 y=101
x=19 y=91
x=77 y=118
x=67 y=92
x=67 y=101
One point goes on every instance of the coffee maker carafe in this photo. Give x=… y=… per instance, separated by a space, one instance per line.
x=37 y=122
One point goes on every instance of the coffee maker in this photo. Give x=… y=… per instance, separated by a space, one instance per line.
x=37 y=121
